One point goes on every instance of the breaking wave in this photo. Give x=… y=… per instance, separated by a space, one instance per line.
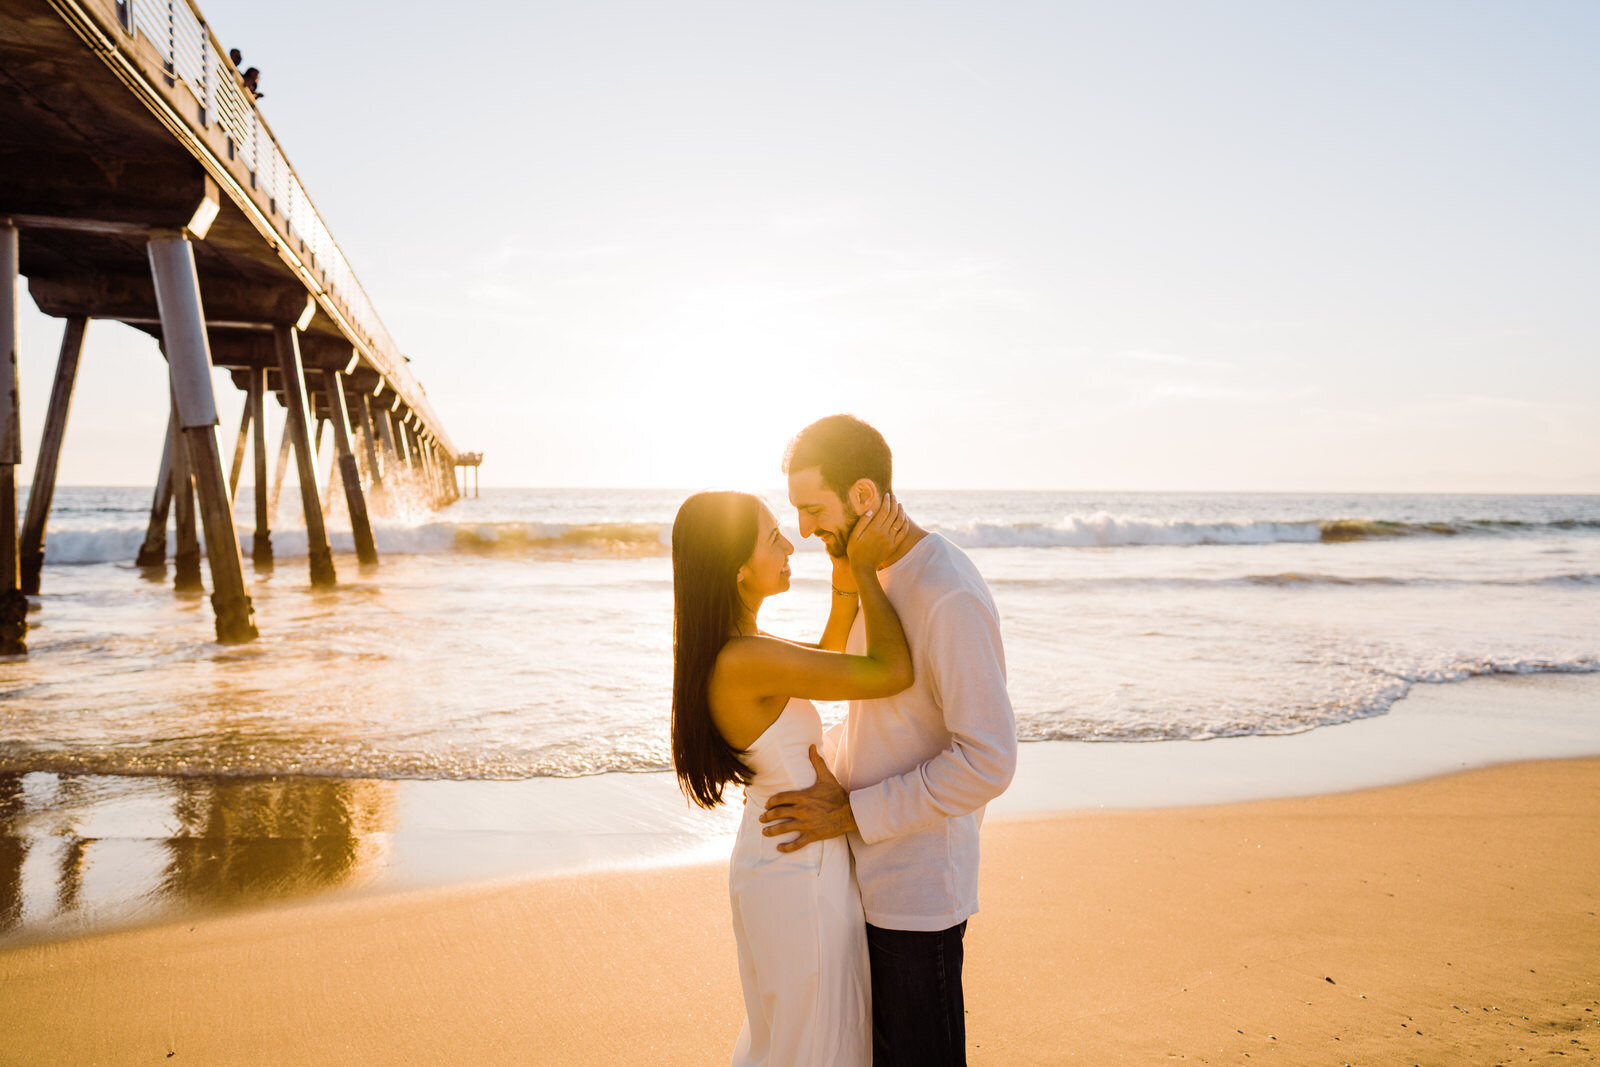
x=1103 y=530
x=632 y=539
x=561 y=540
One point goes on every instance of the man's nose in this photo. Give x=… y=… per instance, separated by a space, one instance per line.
x=807 y=527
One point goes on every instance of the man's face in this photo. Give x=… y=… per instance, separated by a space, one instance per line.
x=821 y=510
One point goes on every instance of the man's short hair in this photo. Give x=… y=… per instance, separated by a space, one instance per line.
x=845 y=449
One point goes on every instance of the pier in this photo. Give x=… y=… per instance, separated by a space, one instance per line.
x=140 y=183
x=469 y=461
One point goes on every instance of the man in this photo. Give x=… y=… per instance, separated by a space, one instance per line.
x=916 y=769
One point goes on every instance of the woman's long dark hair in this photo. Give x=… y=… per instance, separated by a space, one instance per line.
x=712 y=537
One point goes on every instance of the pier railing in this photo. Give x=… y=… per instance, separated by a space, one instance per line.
x=216 y=206
x=226 y=119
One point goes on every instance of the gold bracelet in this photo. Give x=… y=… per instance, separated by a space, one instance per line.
x=840 y=592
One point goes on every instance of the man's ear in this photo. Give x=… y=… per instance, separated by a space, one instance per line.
x=864 y=496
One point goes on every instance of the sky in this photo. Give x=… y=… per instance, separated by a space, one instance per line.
x=1318 y=245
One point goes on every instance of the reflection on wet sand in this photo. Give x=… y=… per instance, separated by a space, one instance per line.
x=13 y=851
x=79 y=853
x=197 y=844
x=254 y=839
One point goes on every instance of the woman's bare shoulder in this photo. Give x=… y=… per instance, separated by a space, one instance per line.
x=754 y=653
x=741 y=707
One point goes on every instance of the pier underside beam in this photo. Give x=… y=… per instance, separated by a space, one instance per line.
x=153 y=553
x=43 y=490
x=261 y=549
x=132 y=298
x=13 y=602
x=183 y=329
x=360 y=525
x=298 y=427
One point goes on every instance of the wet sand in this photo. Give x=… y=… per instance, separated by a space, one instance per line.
x=80 y=854
x=1455 y=919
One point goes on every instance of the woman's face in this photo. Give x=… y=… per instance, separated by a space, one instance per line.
x=767 y=570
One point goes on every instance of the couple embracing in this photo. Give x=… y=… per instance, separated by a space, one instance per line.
x=856 y=863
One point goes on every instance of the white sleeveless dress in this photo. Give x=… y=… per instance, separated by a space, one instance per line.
x=797 y=920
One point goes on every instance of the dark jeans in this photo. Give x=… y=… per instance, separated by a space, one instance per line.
x=917 y=1013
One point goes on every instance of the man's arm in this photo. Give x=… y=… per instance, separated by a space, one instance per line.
x=966 y=666
x=818 y=812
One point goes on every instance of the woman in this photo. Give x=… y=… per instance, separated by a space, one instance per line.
x=742 y=713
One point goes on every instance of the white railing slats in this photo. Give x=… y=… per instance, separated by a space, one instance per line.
x=190 y=55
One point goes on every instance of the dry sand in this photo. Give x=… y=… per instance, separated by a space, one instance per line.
x=1440 y=922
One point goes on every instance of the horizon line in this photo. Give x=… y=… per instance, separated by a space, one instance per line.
x=955 y=489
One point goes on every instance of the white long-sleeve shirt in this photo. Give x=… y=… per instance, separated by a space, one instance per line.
x=921 y=765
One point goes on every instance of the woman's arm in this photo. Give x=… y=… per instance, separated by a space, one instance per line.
x=842 y=613
x=756 y=667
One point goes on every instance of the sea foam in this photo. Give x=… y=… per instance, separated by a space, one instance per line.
x=110 y=544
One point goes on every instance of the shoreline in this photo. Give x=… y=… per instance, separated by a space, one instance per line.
x=81 y=855
x=1448 y=920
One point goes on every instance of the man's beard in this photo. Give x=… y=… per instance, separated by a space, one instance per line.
x=838 y=544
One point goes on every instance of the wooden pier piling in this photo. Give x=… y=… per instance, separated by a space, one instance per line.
x=239 y=446
x=183 y=329
x=391 y=454
x=419 y=449
x=230 y=601
x=256 y=398
x=42 y=492
x=441 y=485
x=447 y=475
x=153 y=553
x=13 y=602
x=186 y=558
x=369 y=446
x=355 y=502
x=419 y=461
x=469 y=463
x=398 y=432
x=325 y=481
x=287 y=342
x=424 y=465
x=285 y=444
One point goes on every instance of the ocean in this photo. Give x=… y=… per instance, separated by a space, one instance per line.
x=527 y=633
x=493 y=698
